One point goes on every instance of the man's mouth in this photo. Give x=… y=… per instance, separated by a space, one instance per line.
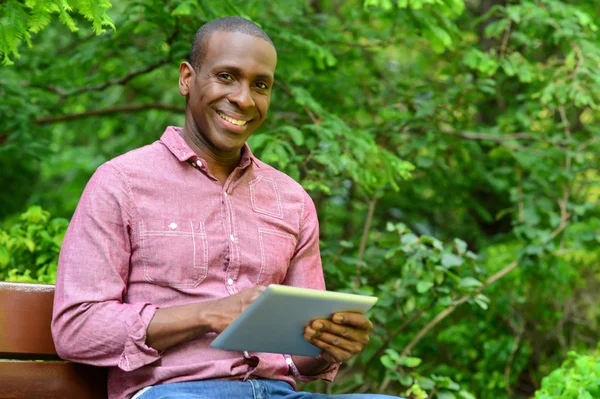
x=229 y=119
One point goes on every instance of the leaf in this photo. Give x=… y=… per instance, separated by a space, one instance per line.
x=29 y=244
x=387 y=362
x=296 y=134
x=406 y=380
x=394 y=355
x=426 y=383
x=410 y=361
x=34 y=214
x=482 y=304
x=470 y=282
x=409 y=239
x=451 y=260
x=424 y=286
x=461 y=246
x=43 y=258
x=438 y=276
x=4 y=257
x=466 y=395
x=184 y=8
x=445 y=395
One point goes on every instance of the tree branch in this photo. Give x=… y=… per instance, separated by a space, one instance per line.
x=98 y=112
x=497 y=276
x=446 y=312
x=108 y=111
x=490 y=137
x=580 y=60
x=393 y=335
x=511 y=358
x=122 y=80
x=505 y=39
x=286 y=89
x=365 y=236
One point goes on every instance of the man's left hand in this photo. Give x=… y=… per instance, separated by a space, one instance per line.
x=340 y=338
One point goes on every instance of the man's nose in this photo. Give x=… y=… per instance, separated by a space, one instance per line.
x=242 y=96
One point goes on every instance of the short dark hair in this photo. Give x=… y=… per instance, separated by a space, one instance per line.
x=225 y=24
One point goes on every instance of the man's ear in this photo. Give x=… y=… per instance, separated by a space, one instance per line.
x=186 y=74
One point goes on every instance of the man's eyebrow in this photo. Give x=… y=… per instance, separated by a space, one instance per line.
x=238 y=71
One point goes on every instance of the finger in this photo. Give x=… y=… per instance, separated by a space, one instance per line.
x=331 y=353
x=347 y=332
x=259 y=289
x=350 y=346
x=356 y=320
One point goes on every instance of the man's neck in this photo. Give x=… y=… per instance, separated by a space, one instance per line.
x=219 y=164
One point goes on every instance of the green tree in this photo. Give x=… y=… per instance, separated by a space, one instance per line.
x=451 y=148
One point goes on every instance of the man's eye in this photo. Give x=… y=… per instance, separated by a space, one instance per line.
x=262 y=85
x=225 y=76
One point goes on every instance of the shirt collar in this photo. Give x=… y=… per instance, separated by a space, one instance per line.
x=174 y=141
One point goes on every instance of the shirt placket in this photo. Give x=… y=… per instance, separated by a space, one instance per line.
x=232 y=269
x=233 y=266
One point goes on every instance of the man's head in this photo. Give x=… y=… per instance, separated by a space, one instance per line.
x=227 y=83
x=226 y=24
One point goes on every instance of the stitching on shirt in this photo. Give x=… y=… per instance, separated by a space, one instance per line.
x=302 y=213
x=205 y=260
x=224 y=224
x=256 y=206
x=236 y=248
x=193 y=243
x=203 y=272
x=172 y=233
x=263 y=261
x=130 y=204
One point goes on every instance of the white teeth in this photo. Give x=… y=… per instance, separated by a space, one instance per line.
x=231 y=120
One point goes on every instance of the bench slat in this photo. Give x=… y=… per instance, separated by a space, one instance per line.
x=26 y=380
x=25 y=315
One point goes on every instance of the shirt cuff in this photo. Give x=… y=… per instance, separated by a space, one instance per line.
x=328 y=374
x=136 y=353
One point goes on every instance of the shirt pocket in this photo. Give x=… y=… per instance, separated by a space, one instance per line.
x=276 y=251
x=174 y=252
x=264 y=197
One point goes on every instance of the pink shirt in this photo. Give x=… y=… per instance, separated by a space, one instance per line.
x=155 y=229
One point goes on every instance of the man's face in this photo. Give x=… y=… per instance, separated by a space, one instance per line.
x=228 y=98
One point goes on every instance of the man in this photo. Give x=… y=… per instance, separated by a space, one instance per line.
x=172 y=241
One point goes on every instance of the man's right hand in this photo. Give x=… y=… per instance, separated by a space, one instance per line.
x=176 y=324
x=227 y=309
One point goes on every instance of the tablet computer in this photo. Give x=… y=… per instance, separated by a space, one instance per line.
x=275 y=321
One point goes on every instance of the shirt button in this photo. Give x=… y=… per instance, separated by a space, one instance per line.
x=225 y=194
x=232 y=238
x=289 y=361
x=199 y=163
x=230 y=281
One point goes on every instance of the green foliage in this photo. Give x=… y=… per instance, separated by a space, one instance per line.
x=577 y=378
x=20 y=19
x=411 y=123
x=29 y=249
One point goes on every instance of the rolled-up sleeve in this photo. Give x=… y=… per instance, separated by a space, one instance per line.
x=91 y=323
x=306 y=271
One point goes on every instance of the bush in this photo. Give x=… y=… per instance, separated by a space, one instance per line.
x=578 y=378
x=29 y=249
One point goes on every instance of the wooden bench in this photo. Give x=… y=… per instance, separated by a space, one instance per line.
x=26 y=340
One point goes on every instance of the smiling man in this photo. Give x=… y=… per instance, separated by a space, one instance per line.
x=172 y=241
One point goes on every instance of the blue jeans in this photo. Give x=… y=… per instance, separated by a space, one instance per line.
x=251 y=389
